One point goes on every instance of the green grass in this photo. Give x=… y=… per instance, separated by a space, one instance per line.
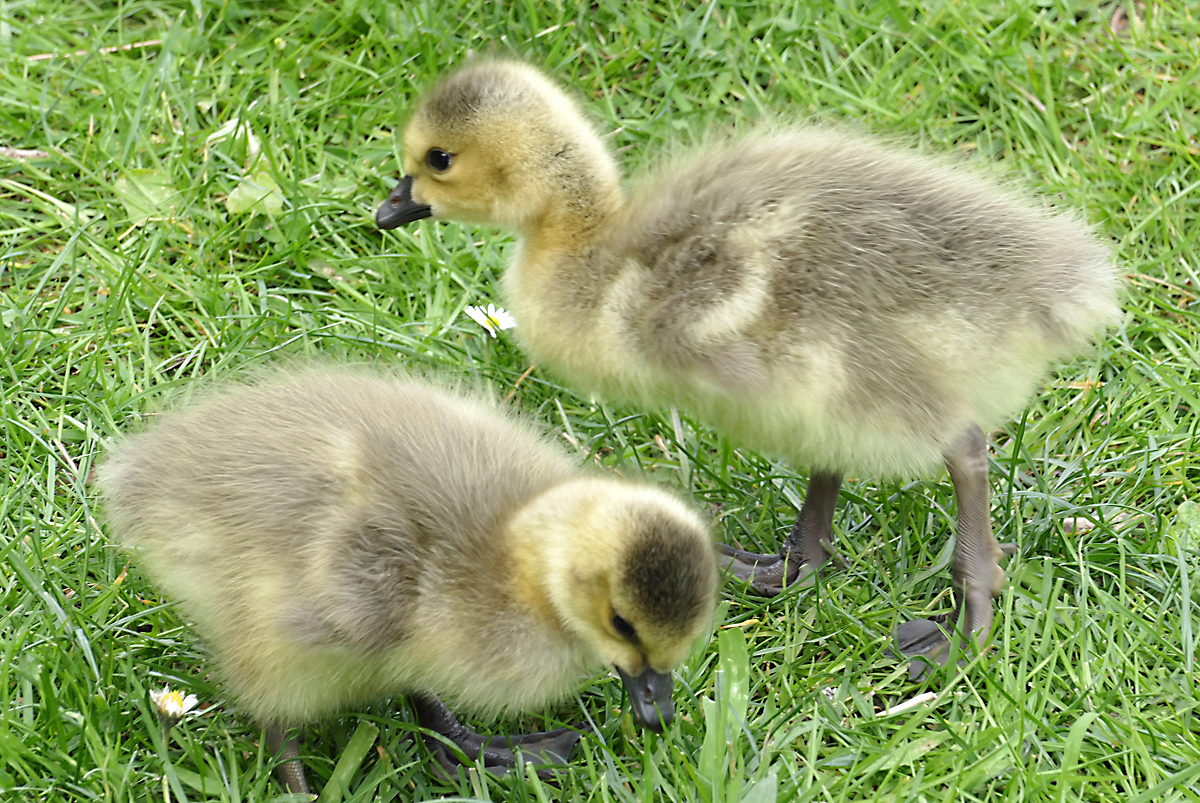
x=123 y=275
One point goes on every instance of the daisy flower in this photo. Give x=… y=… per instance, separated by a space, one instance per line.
x=492 y=318
x=172 y=705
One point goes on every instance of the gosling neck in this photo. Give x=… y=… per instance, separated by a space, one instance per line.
x=574 y=217
x=562 y=539
x=568 y=231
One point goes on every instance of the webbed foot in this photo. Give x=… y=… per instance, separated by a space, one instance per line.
x=922 y=639
x=804 y=551
x=499 y=753
x=768 y=575
x=926 y=642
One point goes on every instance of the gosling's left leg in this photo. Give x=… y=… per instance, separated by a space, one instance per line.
x=498 y=752
x=977 y=573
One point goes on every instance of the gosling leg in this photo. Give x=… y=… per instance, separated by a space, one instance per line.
x=287 y=752
x=977 y=573
x=804 y=550
x=498 y=752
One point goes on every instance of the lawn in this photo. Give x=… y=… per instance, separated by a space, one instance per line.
x=188 y=188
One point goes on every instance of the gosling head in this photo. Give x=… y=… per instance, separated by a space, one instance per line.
x=499 y=144
x=630 y=571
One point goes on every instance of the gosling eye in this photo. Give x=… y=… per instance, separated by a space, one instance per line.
x=624 y=628
x=438 y=160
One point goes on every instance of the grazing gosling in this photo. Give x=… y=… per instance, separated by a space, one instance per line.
x=338 y=536
x=812 y=293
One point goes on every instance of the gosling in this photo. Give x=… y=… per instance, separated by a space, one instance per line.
x=338 y=536
x=816 y=295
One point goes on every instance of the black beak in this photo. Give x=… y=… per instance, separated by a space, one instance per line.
x=400 y=208
x=650 y=698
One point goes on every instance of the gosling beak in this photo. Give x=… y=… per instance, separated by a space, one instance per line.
x=650 y=698
x=400 y=208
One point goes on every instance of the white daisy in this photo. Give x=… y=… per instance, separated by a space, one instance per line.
x=492 y=318
x=172 y=704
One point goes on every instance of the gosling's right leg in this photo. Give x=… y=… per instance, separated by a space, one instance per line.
x=977 y=573
x=287 y=753
x=498 y=752
x=803 y=551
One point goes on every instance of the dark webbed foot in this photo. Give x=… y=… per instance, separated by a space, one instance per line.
x=926 y=642
x=287 y=752
x=805 y=549
x=767 y=575
x=499 y=753
x=977 y=573
x=923 y=639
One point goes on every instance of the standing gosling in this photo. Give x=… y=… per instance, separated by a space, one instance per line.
x=339 y=536
x=810 y=292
